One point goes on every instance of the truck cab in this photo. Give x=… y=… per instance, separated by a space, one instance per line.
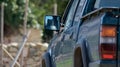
x=88 y=35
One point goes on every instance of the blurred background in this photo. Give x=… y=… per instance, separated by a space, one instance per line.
x=22 y=35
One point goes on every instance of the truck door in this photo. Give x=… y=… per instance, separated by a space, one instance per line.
x=57 y=49
x=66 y=47
x=70 y=33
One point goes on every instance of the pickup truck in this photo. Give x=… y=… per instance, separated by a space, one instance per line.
x=88 y=35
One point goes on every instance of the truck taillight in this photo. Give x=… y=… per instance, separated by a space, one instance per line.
x=108 y=42
x=108 y=31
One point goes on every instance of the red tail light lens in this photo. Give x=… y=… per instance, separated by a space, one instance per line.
x=108 y=42
x=108 y=51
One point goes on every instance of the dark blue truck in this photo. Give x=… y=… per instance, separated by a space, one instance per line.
x=88 y=35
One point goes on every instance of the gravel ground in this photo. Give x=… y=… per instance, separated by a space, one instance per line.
x=32 y=54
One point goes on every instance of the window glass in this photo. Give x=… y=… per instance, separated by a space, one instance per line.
x=71 y=14
x=89 y=7
x=97 y=3
x=107 y=3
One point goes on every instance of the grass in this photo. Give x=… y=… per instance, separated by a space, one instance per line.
x=65 y=63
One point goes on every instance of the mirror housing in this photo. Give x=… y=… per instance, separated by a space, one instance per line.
x=52 y=22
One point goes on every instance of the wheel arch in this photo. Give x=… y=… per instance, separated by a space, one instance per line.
x=80 y=51
x=78 y=62
x=46 y=62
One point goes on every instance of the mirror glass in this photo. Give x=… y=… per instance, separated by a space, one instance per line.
x=52 y=22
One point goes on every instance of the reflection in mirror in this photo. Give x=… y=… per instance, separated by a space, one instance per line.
x=52 y=22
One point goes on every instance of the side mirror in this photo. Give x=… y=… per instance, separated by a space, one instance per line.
x=52 y=22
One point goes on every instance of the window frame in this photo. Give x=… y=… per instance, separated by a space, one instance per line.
x=74 y=13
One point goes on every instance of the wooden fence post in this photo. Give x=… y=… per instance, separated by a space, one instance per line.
x=2 y=34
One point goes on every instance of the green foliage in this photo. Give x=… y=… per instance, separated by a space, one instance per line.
x=13 y=15
x=61 y=6
x=37 y=9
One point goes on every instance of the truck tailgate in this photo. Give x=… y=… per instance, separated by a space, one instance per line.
x=118 y=44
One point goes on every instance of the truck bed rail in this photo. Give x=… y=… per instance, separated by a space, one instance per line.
x=98 y=11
